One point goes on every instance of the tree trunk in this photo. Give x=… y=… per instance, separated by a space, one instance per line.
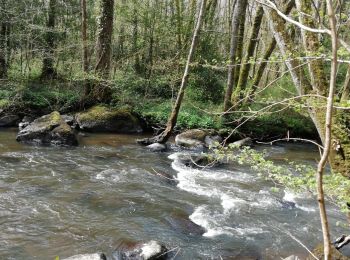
x=3 y=62
x=178 y=24
x=346 y=86
x=48 y=70
x=267 y=54
x=236 y=18
x=253 y=39
x=104 y=38
x=135 y=21
x=84 y=35
x=165 y=135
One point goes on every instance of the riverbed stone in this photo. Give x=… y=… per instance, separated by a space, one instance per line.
x=145 y=251
x=196 y=138
x=180 y=222
x=103 y=119
x=96 y=256
x=48 y=129
x=157 y=147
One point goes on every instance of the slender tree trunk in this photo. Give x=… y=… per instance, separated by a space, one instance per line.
x=48 y=70
x=236 y=17
x=239 y=53
x=178 y=24
x=346 y=86
x=165 y=135
x=104 y=38
x=121 y=37
x=137 y=65
x=267 y=54
x=328 y=133
x=253 y=39
x=3 y=62
x=84 y=35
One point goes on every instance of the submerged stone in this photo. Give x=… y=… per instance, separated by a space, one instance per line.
x=146 y=251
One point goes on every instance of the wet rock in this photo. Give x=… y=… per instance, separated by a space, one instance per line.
x=181 y=223
x=244 y=142
x=147 y=251
x=198 y=160
x=157 y=147
x=25 y=122
x=103 y=119
x=48 y=129
x=212 y=140
x=287 y=204
x=191 y=138
x=9 y=120
x=318 y=252
x=70 y=120
x=96 y=256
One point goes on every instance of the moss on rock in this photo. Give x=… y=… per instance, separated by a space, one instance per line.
x=104 y=119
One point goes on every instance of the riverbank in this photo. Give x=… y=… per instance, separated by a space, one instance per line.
x=33 y=99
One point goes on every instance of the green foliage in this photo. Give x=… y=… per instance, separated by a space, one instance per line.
x=206 y=84
x=190 y=117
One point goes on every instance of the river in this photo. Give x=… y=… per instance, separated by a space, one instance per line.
x=108 y=192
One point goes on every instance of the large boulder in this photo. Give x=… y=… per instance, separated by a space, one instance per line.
x=48 y=129
x=197 y=138
x=104 y=119
x=96 y=256
x=146 y=251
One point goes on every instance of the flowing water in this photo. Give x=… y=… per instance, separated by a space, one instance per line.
x=110 y=191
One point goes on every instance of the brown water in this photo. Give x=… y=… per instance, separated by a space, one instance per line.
x=65 y=201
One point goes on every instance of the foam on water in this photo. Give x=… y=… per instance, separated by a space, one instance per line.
x=222 y=188
x=292 y=197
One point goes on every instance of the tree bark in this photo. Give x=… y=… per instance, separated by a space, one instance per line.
x=328 y=132
x=48 y=70
x=165 y=135
x=346 y=86
x=253 y=39
x=236 y=18
x=84 y=35
x=104 y=38
x=3 y=62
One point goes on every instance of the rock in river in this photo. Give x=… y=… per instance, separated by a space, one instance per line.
x=157 y=147
x=8 y=120
x=48 y=129
x=147 y=251
x=196 y=138
x=104 y=119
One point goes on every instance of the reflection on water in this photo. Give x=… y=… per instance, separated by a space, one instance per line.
x=65 y=201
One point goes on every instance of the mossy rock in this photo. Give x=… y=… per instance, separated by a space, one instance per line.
x=48 y=129
x=104 y=119
x=193 y=137
x=318 y=252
